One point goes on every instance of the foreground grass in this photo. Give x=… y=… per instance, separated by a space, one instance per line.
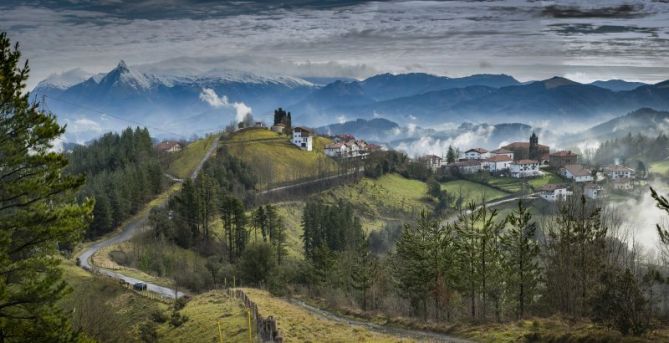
x=299 y=325
x=472 y=191
x=187 y=159
x=276 y=160
x=205 y=313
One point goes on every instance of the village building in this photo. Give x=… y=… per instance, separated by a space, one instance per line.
x=593 y=191
x=553 y=192
x=303 y=138
x=169 y=146
x=280 y=128
x=476 y=154
x=617 y=171
x=562 y=158
x=502 y=152
x=346 y=146
x=465 y=167
x=531 y=150
x=622 y=184
x=433 y=162
x=497 y=163
x=577 y=173
x=525 y=168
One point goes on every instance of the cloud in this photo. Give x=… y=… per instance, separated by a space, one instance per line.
x=346 y=38
x=209 y=96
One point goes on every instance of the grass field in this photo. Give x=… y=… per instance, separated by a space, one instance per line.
x=471 y=191
x=299 y=325
x=661 y=168
x=188 y=158
x=508 y=184
x=277 y=160
x=547 y=178
x=205 y=313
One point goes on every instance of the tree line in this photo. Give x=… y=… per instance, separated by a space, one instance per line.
x=122 y=173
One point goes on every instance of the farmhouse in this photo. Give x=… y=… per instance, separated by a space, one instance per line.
x=577 y=173
x=346 y=147
x=593 y=191
x=529 y=150
x=433 y=162
x=560 y=159
x=476 y=154
x=617 y=171
x=622 y=184
x=502 y=152
x=303 y=138
x=465 y=167
x=280 y=128
x=169 y=146
x=525 y=168
x=553 y=192
x=497 y=163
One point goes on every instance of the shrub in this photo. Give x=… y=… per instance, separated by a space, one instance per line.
x=177 y=319
x=159 y=316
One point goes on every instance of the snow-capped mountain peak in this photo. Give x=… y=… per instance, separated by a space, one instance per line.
x=123 y=75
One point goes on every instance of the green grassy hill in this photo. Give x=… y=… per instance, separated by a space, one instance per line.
x=275 y=159
x=187 y=159
x=472 y=191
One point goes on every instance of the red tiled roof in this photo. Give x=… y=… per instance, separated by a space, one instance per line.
x=479 y=150
x=563 y=153
x=577 y=170
x=499 y=158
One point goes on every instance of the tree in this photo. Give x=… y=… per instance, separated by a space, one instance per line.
x=450 y=155
x=363 y=272
x=38 y=212
x=663 y=204
x=619 y=303
x=256 y=263
x=520 y=258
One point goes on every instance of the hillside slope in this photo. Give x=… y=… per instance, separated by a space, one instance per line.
x=274 y=159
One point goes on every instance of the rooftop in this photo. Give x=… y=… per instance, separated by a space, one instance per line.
x=563 y=153
x=577 y=170
x=479 y=150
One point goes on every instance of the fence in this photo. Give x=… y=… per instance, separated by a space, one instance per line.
x=267 y=328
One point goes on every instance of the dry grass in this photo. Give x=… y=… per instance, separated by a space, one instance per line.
x=299 y=325
x=188 y=158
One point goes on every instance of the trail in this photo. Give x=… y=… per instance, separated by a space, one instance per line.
x=428 y=336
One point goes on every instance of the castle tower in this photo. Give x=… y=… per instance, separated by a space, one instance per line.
x=534 y=147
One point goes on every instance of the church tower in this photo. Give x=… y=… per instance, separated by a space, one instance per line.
x=534 y=147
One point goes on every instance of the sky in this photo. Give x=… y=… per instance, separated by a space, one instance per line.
x=529 y=40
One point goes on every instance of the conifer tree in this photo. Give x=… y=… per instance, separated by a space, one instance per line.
x=38 y=212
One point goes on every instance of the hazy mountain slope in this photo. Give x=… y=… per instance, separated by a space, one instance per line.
x=618 y=85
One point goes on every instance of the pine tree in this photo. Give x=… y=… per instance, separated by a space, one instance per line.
x=520 y=259
x=38 y=212
x=363 y=272
x=450 y=155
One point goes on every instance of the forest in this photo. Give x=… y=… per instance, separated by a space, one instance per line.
x=122 y=172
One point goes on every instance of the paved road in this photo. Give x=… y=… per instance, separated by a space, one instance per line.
x=454 y=217
x=391 y=330
x=294 y=185
x=134 y=226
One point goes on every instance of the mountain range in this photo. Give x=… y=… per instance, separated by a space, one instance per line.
x=175 y=104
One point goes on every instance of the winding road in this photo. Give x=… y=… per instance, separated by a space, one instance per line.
x=134 y=226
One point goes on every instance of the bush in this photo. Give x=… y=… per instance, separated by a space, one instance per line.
x=159 y=316
x=620 y=304
x=148 y=332
x=177 y=319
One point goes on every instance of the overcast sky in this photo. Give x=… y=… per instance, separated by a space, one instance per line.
x=526 y=39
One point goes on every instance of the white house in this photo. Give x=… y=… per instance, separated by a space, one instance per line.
x=336 y=150
x=502 y=152
x=169 y=146
x=553 y=192
x=593 y=191
x=303 y=138
x=497 y=163
x=432 y=161
x=525 y=168
x=476 y=154
x=577 y=173
x=466 y=166
x=622 y=184
x=618 y=171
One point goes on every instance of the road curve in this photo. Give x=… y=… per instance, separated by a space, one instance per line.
x=422 y=335
x=134 y=226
